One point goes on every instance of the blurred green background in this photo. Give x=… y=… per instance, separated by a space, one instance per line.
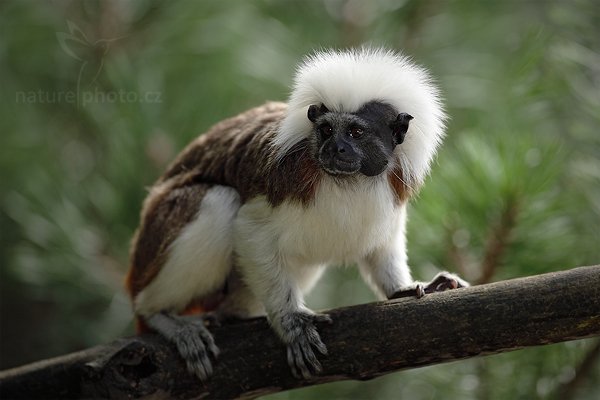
x=98 y=96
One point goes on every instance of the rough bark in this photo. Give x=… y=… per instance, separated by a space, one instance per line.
x=364 y=341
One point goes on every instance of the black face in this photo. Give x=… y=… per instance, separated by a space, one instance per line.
x=362 y=141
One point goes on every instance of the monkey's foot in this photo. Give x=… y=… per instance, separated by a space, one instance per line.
x=441 y=282
x=300 y=335
x=193 y=340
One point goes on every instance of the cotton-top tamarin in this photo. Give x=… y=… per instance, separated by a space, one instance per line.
x=247 y=217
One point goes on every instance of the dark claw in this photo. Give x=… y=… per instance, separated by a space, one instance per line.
x=323 y=318
x=420 y=290
x=408 y=292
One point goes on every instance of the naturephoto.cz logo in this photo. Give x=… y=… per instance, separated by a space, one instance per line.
x=84 y=97
x=91 y=55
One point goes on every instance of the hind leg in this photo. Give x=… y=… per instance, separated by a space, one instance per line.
x=189 y=334
x=193 y=265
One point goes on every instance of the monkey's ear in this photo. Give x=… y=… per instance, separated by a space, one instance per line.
x=315 y=111
x=399 y=127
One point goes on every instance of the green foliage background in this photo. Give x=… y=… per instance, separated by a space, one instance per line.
x=98 y=96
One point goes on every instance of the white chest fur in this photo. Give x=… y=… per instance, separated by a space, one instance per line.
x=344 y=223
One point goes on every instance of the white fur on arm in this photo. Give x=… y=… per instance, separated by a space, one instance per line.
x=260 y=264
x=385 y=269
x=277 y=282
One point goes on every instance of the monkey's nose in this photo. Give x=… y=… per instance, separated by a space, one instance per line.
x=341 y=148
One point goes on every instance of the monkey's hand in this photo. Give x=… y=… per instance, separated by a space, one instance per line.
x=298 y=331
x=441 y=282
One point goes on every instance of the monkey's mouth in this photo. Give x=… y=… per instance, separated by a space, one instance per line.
x=337 y=166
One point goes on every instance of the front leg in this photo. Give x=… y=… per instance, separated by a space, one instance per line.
x=386 y=271
x=385 y=268
x=278 y=281
x=389 y=275
x=278 y=286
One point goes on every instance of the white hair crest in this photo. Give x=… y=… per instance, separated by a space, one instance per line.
x=345 y=80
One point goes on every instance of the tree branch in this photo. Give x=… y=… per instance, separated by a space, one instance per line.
x=364 y=342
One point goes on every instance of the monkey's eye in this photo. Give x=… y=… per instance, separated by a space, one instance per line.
x=326 y=130
x=355 y=132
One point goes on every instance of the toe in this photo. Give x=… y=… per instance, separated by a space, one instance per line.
x=298 y=360
x=420 y=291
x=323 y=318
